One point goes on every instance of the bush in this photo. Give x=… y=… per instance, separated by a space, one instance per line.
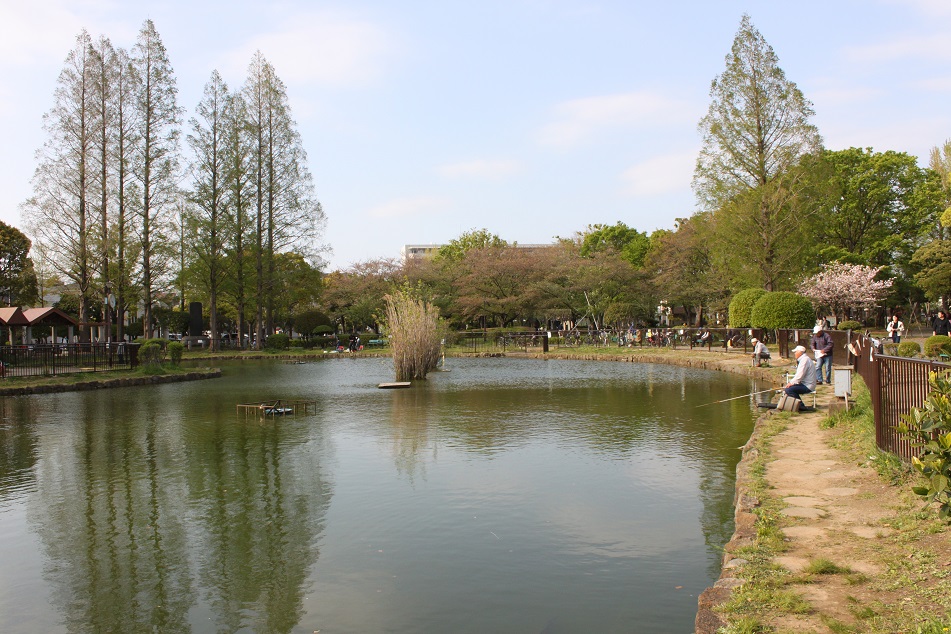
x=151 y=353
x=175 y=351
x=782 y=310
x=849 y=324
x=741 y=307
x=909 y=349
x=324 y=330
x=278 y=341
x=937 y=345
x=929 y=429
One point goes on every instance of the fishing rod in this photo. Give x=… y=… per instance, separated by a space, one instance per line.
x=741 y=396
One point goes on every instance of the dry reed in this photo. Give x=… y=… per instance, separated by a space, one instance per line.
x=415 y=338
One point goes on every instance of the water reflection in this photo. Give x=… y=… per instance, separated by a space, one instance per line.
x=503 y=496
x=151 y=525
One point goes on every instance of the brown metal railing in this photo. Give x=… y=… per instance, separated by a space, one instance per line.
x=789 y=339
x=896 y=385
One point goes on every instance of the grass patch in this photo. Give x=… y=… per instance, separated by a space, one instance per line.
x=823 y=566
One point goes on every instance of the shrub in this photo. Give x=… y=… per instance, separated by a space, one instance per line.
x=324 y=330
x=929 y=429
x=278 y=341
x=741 y=307
x=150 y=353
x=782 y=310
x=849 y=324
x=175 y=351
x=909 y=349
x=937 y=345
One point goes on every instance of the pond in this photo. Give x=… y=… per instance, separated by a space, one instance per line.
x=501 y=496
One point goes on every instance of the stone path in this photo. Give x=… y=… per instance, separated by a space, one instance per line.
x=833 y=511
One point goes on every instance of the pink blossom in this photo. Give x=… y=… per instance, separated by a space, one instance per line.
x=840 y=287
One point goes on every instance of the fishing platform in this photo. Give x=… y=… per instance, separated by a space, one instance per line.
x=279 y=407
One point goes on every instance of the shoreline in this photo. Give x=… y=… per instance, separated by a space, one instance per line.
x=107 y=383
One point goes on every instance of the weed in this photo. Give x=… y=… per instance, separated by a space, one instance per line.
x=823 y=566
x=836 y=626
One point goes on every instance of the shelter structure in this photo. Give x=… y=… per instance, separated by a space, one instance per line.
x=11 y=317
x=51 y=318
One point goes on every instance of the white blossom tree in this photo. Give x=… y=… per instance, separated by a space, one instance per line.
x=842 y=287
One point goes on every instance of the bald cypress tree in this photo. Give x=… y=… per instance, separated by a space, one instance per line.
x=156 y=157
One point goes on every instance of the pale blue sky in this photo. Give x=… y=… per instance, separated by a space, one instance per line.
x=531 y=118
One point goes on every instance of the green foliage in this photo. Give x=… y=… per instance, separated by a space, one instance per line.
x=933 y=262
x=823 y=566
x=909 y=349
x=937 y=345
x=849 y=324
x=741 y=306
x=929 y=429
x=175 y=351
x=278 y=341
x=472 y=239
x=323 y=330
x=308 y=321
x=150 y=353
x=782 y=309
x=630 y=243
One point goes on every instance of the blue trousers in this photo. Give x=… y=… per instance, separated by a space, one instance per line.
x=797 y=390
x=827 y=362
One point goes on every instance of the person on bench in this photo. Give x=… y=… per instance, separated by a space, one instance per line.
x=804 y=381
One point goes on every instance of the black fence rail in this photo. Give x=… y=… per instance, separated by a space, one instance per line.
x=56 y=359
x=726 y=339
x=896 y=386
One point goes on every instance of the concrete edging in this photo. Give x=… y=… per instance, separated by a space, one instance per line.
x=110 y=383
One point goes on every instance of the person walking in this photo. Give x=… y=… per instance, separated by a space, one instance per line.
x=804 y=381
x=895 y=329
x=822 y=347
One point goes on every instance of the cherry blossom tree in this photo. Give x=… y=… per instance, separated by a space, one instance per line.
x=841 y=287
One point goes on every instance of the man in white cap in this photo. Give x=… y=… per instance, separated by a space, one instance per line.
x=822 y=347
x=804 y=381
x=760 y=352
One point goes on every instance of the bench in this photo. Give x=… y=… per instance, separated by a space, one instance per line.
x=376 y=342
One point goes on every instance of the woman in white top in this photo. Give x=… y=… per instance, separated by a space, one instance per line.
x=895 y=329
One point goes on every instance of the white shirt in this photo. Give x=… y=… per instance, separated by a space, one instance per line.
x=805 y=372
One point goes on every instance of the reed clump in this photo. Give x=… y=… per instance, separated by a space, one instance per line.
x=415 y=335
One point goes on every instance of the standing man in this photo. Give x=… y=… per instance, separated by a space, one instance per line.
x=822 y=347
x=804 y=381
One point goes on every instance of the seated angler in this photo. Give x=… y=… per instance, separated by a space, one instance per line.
x=760 y=352
x=804 y=381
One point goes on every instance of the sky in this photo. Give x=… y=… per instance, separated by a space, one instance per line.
x=424 y=119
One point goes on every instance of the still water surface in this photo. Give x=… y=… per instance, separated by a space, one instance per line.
x=502 y=496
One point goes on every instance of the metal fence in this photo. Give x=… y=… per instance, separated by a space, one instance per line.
x=726 y=339
x=896 y=385
x=51 y=360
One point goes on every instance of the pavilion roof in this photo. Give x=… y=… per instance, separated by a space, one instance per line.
x=12 y=316
x=48 y=316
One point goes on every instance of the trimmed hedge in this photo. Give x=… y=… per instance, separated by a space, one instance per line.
x=175 y=351
x=849 y=324
x=909 y=349
x=741 y=307
x=278 y=341
x=937 y=345
x=782 y=309
x=151 y=353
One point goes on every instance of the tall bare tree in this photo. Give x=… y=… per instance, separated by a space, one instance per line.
x=286 y=212
x=59 y=213
x=156 y=156
x=239 y=174
x=208 y=141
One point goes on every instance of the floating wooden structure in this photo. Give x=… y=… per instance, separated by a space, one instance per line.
x=273 y=409
x=394 y=386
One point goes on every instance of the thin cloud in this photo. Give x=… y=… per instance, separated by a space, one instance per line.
x=936 y=8
x=409 y=207
x=578 y=120
x=927 y=47
x=324 y=47
x=481 y=168
x=660 y=174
